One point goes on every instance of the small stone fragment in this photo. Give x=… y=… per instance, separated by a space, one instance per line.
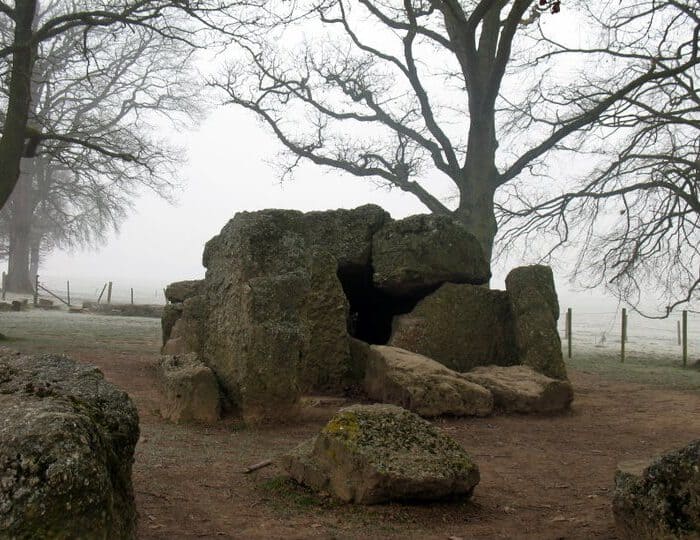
x=190 y=390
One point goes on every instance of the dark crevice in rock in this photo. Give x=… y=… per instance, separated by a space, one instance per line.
x=371 y=310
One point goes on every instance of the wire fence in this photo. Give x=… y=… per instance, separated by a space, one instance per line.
x=603 y=330
x=66 y=292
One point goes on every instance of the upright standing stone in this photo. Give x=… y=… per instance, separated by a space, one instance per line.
x=460 y=326
x=536 y=310
x=275 y=322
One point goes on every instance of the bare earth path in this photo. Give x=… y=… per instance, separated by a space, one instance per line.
x=542 y=477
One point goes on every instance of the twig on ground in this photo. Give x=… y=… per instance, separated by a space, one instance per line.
x=257 y=466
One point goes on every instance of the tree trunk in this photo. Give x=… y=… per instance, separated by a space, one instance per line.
x=477 y=185
x=19 y=98
x=34 y=255
x=19 y=279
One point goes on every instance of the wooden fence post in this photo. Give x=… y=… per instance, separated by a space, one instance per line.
x=568 y=329
x=685 y=338
x=4 y=284
x=623 y=334
x=101 y=293
x=36 y=291
x=109 y=292
x=132 y=296
x=68 y=292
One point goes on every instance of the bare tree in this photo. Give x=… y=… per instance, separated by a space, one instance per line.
x=175 y=20
x=635 y=219
x=407 y=92
x=98 y=98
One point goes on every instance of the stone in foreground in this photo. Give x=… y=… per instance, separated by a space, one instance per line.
x=371 y=454
x=191 y=393
x=521 y=389
x=659 y=499
x=422 y=385
x=67 y=440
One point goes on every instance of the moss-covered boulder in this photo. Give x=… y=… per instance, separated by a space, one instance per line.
x=422 y=385
x=521 y=389
x=460 y=326
x=419 y=253
x=372 y=454
x=660 y=498
x=67 y=441
x=536 y=311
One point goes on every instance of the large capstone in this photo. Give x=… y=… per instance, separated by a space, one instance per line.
x=536 y=311
x=460 y=326
x=659 y=498
x=371 y=454
x=415 y=255
x=422 y=385
x=67 y=440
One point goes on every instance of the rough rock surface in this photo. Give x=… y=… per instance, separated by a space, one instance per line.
x=275 y=321
x=171 y=313
x=180 y=291
x=191 y=393
x=371 y=454
x=536 y=311
x=67 y=441
x=359 y=353
x=419 y=253
x=460 y=326
x=659 y=499
x=185 y=333
x=422 y=385
x=521 y=389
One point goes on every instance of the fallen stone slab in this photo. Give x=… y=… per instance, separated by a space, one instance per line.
x=190 y=390
x=521 y=389
x=659 y=498
x=67 y=440
x=371 y=454
x=422 y=385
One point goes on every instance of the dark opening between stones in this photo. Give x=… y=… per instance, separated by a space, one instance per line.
x=371 y=310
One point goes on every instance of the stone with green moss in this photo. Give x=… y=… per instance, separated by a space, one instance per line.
x=67 y=440
x=372 y=454
x=659 y=499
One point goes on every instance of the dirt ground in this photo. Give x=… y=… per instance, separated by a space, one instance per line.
x=541 y=477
